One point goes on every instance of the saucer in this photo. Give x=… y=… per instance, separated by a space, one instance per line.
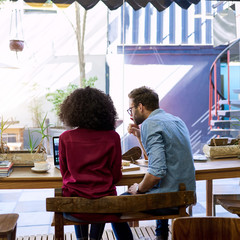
x=40 y=170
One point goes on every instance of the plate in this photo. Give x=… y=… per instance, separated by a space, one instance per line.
x=40 y=170
x=132 y=167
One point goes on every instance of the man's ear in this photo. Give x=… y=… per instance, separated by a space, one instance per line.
x=141 y=107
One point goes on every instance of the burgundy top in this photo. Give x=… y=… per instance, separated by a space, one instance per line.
x=90 y=164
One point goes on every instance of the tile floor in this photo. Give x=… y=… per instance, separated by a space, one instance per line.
x=30 y=205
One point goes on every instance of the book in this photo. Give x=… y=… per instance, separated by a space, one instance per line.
x=6 y=169
x=4 y=163
x=199 y=158
x=6 y=174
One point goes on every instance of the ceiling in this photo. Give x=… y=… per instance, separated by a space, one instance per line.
x=160 y=5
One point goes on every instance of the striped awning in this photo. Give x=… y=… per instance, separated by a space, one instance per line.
x=160 y=5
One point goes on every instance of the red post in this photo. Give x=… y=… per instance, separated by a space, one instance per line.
x=215 y=88
x=210 y=99
x=228 y=61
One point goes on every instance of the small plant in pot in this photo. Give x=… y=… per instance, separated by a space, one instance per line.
x=5 y=124
x=40 y=148
x=25 y=157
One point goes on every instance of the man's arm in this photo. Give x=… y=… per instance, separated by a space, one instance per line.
x=148 y=182
x=134 y=129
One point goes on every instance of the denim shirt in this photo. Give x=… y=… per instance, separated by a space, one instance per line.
x=166 y=140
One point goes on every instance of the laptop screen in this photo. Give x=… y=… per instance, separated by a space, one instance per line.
x=55 y=150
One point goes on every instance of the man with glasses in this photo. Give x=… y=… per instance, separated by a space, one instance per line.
x=167 y=144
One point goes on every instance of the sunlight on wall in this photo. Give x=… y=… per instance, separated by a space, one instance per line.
x=161 y=78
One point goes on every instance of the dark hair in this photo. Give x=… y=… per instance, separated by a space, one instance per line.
x=146 y=96
x=88 y=108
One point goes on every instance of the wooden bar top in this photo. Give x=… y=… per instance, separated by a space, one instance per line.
x=25 y=178
x=213 y=169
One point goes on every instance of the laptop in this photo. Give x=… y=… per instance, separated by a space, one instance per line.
x=56 y=152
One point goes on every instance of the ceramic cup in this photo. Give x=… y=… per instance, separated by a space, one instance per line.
x=42 y=165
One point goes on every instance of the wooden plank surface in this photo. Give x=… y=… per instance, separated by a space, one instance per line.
x=132 y=167
x=151 y=232
x=144 y=233
x=120 y=204
x=104 y=236
x=138 y=233
x=24 y=178
x=135 y=236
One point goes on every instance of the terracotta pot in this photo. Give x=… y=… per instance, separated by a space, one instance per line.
x=16 y=45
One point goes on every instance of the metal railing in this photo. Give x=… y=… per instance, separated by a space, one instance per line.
x=214 y=94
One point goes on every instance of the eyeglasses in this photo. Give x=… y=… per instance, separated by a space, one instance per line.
x=130 y=111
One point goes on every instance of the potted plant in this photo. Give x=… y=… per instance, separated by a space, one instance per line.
x=25 y=157
x=4 y=125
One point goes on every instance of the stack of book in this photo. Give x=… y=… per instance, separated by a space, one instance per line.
x=6 y=167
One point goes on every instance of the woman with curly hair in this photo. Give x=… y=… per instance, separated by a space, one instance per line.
x=90 y=154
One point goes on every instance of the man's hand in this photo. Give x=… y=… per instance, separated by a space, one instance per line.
x=148 y=182
x=133 y=189
x=134 y=129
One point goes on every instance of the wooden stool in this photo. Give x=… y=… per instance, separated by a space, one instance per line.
x=232 y=206
x=228 y=192
x=8 y=226
x=207 y=228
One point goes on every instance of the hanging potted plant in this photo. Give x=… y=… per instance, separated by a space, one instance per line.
x=16 y=30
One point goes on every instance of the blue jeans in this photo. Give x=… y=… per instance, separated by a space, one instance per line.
x=162 y=225
x=162 y=228
x=122 y=231
x=81 y=231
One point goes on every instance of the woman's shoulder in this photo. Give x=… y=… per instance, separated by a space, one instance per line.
x=113 y=133
x=89 y=133
x=67 y=133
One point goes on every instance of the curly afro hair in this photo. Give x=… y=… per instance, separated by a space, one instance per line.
x=88 y=108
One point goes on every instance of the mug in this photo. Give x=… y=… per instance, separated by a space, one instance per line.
x=41 y=165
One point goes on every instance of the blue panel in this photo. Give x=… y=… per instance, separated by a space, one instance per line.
x=208 y=31
x=172 y=24
x=220 y=8
x=198 y=33
x=208 y=7
x=122 y=24
x=126 y=21
x=198 y=8
x=135 y=27
x=107 y=77
x=147 y=32
x=184 y=26
x=159 y=27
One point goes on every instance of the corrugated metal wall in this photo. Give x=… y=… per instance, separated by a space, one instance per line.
x=174 y=25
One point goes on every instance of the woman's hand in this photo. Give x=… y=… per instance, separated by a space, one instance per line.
x=134 y=129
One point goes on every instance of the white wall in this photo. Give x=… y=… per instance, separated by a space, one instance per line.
x=49 y=59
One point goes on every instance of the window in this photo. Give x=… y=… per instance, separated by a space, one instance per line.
x=10 y=138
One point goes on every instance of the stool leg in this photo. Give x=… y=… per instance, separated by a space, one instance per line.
x=12 y=235
x=214 y=210
x=190 y=210
x=59 y=227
